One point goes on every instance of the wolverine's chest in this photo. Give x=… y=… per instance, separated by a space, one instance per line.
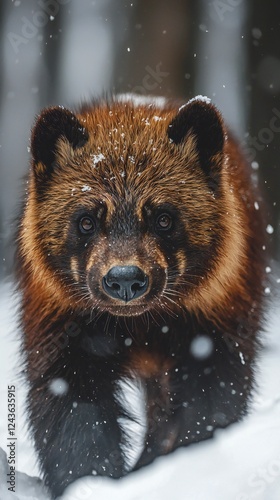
x=161 y=388
x=149 y=396
x=147 y=372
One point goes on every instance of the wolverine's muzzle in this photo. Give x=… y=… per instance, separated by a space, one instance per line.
x=125 y=283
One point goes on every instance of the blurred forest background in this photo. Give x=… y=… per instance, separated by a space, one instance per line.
x=67 y=51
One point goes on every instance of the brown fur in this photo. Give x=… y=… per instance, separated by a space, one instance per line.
x=127 y=133
x=123 y=166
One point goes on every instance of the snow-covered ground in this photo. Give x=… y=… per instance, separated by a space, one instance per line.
x=240 y=463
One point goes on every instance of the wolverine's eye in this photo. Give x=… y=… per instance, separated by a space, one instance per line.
x=86 y=225
x=164 y=222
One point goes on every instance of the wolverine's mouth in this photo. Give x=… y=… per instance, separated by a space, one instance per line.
x=135 y=307
x=128 y=310
x=151 y=302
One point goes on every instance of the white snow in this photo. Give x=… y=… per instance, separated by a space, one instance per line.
x=255 y=165
x=240 y=463
x=165 y=329
x=142 y=100
x=58 y=386
x=201 y=98
x=241 y=355
x=201 y=347
x=98 y=158
x=86 y=187
x=269 y=229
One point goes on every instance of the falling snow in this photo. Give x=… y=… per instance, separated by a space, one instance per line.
x=269 y=229
x=255 y=165
x=201 y=347
x=165 y=329
x=58 y=387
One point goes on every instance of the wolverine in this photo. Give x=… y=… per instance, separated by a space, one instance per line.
x=140 y=265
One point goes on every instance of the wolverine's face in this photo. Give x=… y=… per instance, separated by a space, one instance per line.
x=124 y=252
x=126 y=208
x=122 y=256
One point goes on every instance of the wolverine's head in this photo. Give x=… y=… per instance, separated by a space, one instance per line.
x=125 y=204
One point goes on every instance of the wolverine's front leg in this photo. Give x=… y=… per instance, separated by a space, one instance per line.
x=77 y=433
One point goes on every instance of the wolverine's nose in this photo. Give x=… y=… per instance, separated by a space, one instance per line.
x=125 y=282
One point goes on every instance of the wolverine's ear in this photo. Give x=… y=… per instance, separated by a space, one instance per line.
x=54 y=123
x=200 y=118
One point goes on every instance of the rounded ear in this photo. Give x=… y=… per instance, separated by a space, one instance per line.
x=52 y=124
x=202 y=119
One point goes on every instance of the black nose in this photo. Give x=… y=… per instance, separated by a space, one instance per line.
x=125 y=282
